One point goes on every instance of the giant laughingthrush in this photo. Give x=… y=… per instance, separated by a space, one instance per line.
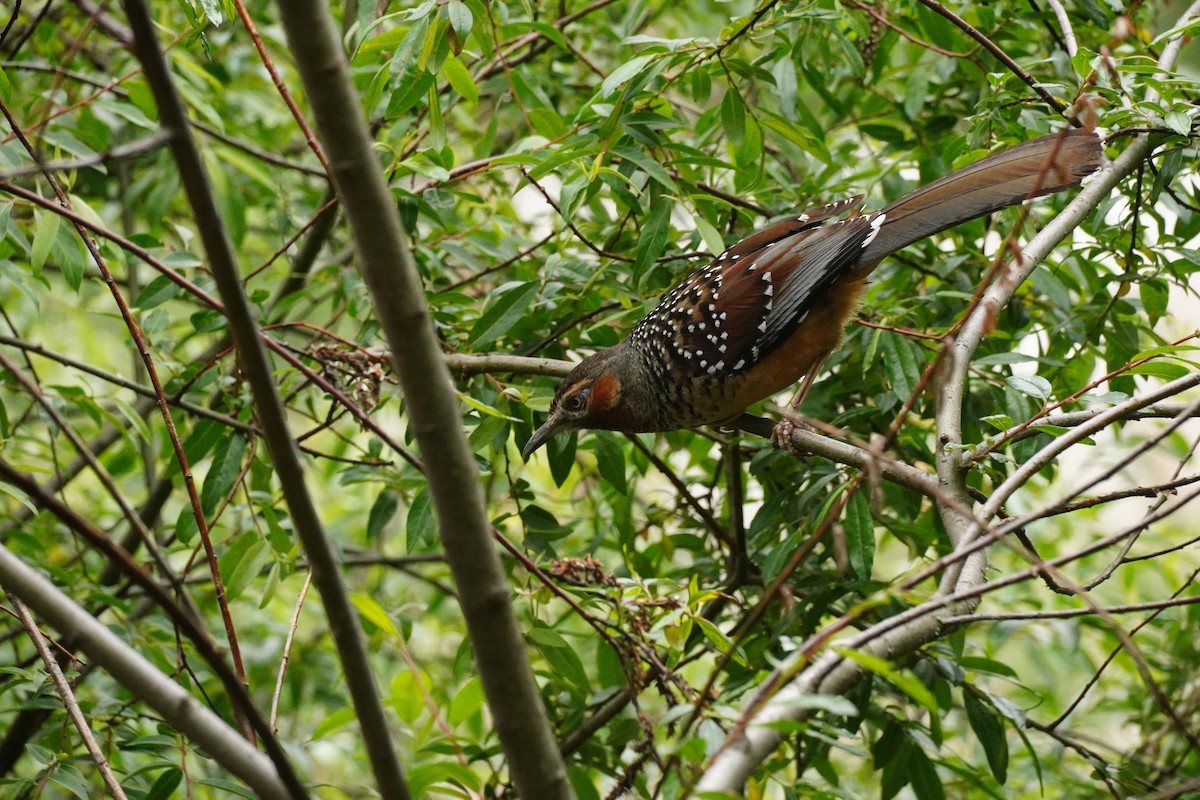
x=772 y=307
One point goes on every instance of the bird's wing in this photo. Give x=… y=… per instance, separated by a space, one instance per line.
x=729 y=315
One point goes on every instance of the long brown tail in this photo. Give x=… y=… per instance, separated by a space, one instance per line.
x=1038 y=167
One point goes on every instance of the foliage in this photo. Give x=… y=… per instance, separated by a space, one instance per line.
x=557 y=167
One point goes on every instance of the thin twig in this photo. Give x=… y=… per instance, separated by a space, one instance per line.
x=164 y=407
x=1070 y=613
x=128 y=150
x=280 y=85
x=78 y=719
x=125 y=383
x=1001 y=56
x=1064 y=22
x=287 y=649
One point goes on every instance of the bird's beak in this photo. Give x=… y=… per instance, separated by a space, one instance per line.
x=540 y=437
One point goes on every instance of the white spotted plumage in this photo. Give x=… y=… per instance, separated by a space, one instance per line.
x=719 y=323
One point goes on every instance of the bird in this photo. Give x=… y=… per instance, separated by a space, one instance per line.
x=767 y=311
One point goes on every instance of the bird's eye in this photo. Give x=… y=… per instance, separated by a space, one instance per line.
x=575 y=403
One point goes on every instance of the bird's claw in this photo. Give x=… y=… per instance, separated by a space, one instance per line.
x=781 y=435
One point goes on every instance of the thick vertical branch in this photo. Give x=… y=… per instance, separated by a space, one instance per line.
x=343 y=620
x=431 y=403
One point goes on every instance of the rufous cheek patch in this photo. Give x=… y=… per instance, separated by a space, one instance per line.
x=606 y=391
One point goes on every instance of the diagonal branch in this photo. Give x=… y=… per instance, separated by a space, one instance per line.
x=343 y=619
x=130 y=668
x=431 y=404
x=1001 y=56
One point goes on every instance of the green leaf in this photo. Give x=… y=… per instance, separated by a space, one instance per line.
x=701 y=87
x=548 y=32
x=923 y=777
x=711 y=236
x=466 y=703
x=733 y=117
x=201 y=440
x=653 y=239
x=1000 y=422
x=900 y=365
x=1032 y=385
x=892 y=750
x=981 y=664
x=751 y=148
x=916 y=89
x=618 y=77
x=484 y=408
x=376 y=87
x=648 y=165
x=423 y=777
x=72 y=780
x=610 y=460
x=437 y=128
x=338 y=719
x=1052 y=430
x=382 y=511
x=412 y=87
x=562 y=657
x=181 y=259
x=830 y=703
x=1167 y=350
x=434 y=36
x=224 y=470
x=374 y=613
x=722 y=643
x=989 y=730
x=419 y=528
x=1171 y=164
x=242 y=562
x=460 y=19
x=212 y=11
x=186 y=527
x=784 y=73
x=45 y=232
x=540 y=524
x=460 y=78
x=228 y=788
x=1160 y=369
x=1190 y=25
x=1154 y=294
x=502 y=314
x=1179 y=122
x=157 y=292
x=904 y=681
x=165 y=784
x=860 y=535
x=561 y=453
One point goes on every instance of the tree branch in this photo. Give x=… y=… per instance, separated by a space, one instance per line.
x=343 y=619
x=431 y=403
x=133 y=671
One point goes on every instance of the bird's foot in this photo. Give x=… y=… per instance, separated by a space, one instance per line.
x=781 y=435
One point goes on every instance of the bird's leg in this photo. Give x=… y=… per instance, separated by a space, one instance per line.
x=781 y=436
x=740 y=566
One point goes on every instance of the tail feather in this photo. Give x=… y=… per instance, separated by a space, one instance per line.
x=1035 y=168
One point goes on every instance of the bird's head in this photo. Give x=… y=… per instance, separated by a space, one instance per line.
x=593 y=395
